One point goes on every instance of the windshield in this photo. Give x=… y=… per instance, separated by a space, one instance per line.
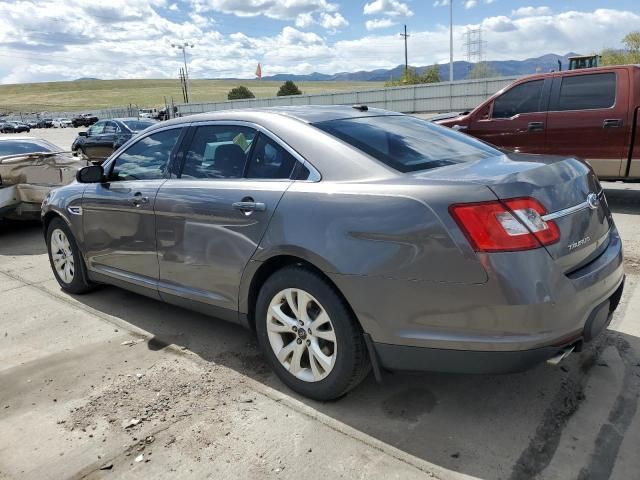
x=406 y=143
x=138 y=125
x=15 y=147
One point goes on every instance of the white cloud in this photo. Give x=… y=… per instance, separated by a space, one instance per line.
x=174 y=7
x=379 y=23
x=67 y=39
x=531 y=11
x=441 y=3
x=468 y=4
x=333 y=21
x=387 y=7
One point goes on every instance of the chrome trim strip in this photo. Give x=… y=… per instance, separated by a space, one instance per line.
x=567 y=211
x=571 y=210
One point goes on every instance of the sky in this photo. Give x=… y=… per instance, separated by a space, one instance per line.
x=49 y=40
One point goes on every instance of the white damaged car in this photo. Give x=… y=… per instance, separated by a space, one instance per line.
x=29 y=169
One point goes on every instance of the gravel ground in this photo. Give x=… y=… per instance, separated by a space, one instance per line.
x=115 y=385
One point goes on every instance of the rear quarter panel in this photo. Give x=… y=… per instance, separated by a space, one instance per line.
x=392 y=231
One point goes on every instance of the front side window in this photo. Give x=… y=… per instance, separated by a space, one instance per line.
x=147 y=159
x=218 y=151
x=587 y=92
x=270 y=161
x=406 y=143
x=523 y=98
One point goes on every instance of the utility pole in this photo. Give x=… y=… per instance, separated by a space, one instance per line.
x=406 y=58
x=451 y=40
x=183 y=46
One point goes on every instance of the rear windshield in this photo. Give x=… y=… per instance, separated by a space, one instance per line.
x=20 y=146
x=138 y=125
x=406 y=143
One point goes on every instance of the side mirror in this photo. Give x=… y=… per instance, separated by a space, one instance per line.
x=83 y=134
x=90 y=174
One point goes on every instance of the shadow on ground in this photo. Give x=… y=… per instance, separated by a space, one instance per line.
x=21 y=238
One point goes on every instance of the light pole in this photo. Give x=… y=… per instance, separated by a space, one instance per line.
x=450 y=40
x=183 y=46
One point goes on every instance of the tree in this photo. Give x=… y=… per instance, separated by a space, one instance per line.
x=239 y=93
x=482 y=70
x=289 y=88
x=629 y=55
x=411 y=77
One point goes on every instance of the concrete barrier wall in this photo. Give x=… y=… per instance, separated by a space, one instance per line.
x=427 y=98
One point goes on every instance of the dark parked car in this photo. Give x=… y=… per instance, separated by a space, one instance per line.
x=106 y=136
x=45 y=123
x=347 y=238
x=590 y=113
x=84 y=120
x=14 y=127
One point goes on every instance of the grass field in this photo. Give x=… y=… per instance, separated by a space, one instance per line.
x=95 y=94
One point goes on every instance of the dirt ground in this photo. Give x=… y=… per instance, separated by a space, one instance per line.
x=115 y=385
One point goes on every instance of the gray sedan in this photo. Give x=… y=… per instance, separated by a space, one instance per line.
x=348 y=238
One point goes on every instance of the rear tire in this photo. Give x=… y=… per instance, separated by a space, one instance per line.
x=66 y=259
x=309 y=335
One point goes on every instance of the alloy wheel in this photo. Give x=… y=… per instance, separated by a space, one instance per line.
x=62 y=256
x=301 y=335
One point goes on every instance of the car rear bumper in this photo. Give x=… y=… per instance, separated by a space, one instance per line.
x=399 y=357
x=527 y=312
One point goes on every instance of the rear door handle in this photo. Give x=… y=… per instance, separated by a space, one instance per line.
x=535 y=126
x=247 y=207
x=612 y=123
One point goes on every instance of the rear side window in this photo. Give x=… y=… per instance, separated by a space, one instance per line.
x=587 y=92
x=408 y=144
x=270 y=161
x=218 y=151
x=523 y=98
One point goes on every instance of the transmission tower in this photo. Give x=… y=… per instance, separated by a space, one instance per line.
x=474 y=44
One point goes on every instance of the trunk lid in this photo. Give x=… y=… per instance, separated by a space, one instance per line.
x=567 y=188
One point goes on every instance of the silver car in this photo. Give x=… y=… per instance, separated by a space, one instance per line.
x=348 y=238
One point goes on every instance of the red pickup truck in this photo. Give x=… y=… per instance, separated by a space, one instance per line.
x=591 y=114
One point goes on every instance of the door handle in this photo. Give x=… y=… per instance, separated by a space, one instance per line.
x=535 y=126
x=139 y=200
x=612 y=123
x=249 y=206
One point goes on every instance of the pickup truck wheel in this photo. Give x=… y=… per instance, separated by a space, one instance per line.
x=309 y=335
x=65 y=258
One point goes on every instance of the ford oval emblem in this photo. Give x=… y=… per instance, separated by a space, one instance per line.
x=593 y=201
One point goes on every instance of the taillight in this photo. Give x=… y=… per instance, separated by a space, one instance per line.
x=505 y=226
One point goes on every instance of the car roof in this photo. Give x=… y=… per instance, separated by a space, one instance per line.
x=303 y=113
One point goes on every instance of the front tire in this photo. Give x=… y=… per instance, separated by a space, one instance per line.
x=65 y=258
x=309 y=335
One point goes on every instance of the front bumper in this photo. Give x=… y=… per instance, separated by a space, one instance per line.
x=526 y=313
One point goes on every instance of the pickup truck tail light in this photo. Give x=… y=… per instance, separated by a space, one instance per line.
x=505 y=225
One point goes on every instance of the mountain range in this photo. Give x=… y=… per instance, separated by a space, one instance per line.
x=461 y=69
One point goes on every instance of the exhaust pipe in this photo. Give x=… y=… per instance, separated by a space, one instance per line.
x=556 y=359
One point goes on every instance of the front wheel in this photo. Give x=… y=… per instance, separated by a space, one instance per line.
x=309 y=335
x=65 y=258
